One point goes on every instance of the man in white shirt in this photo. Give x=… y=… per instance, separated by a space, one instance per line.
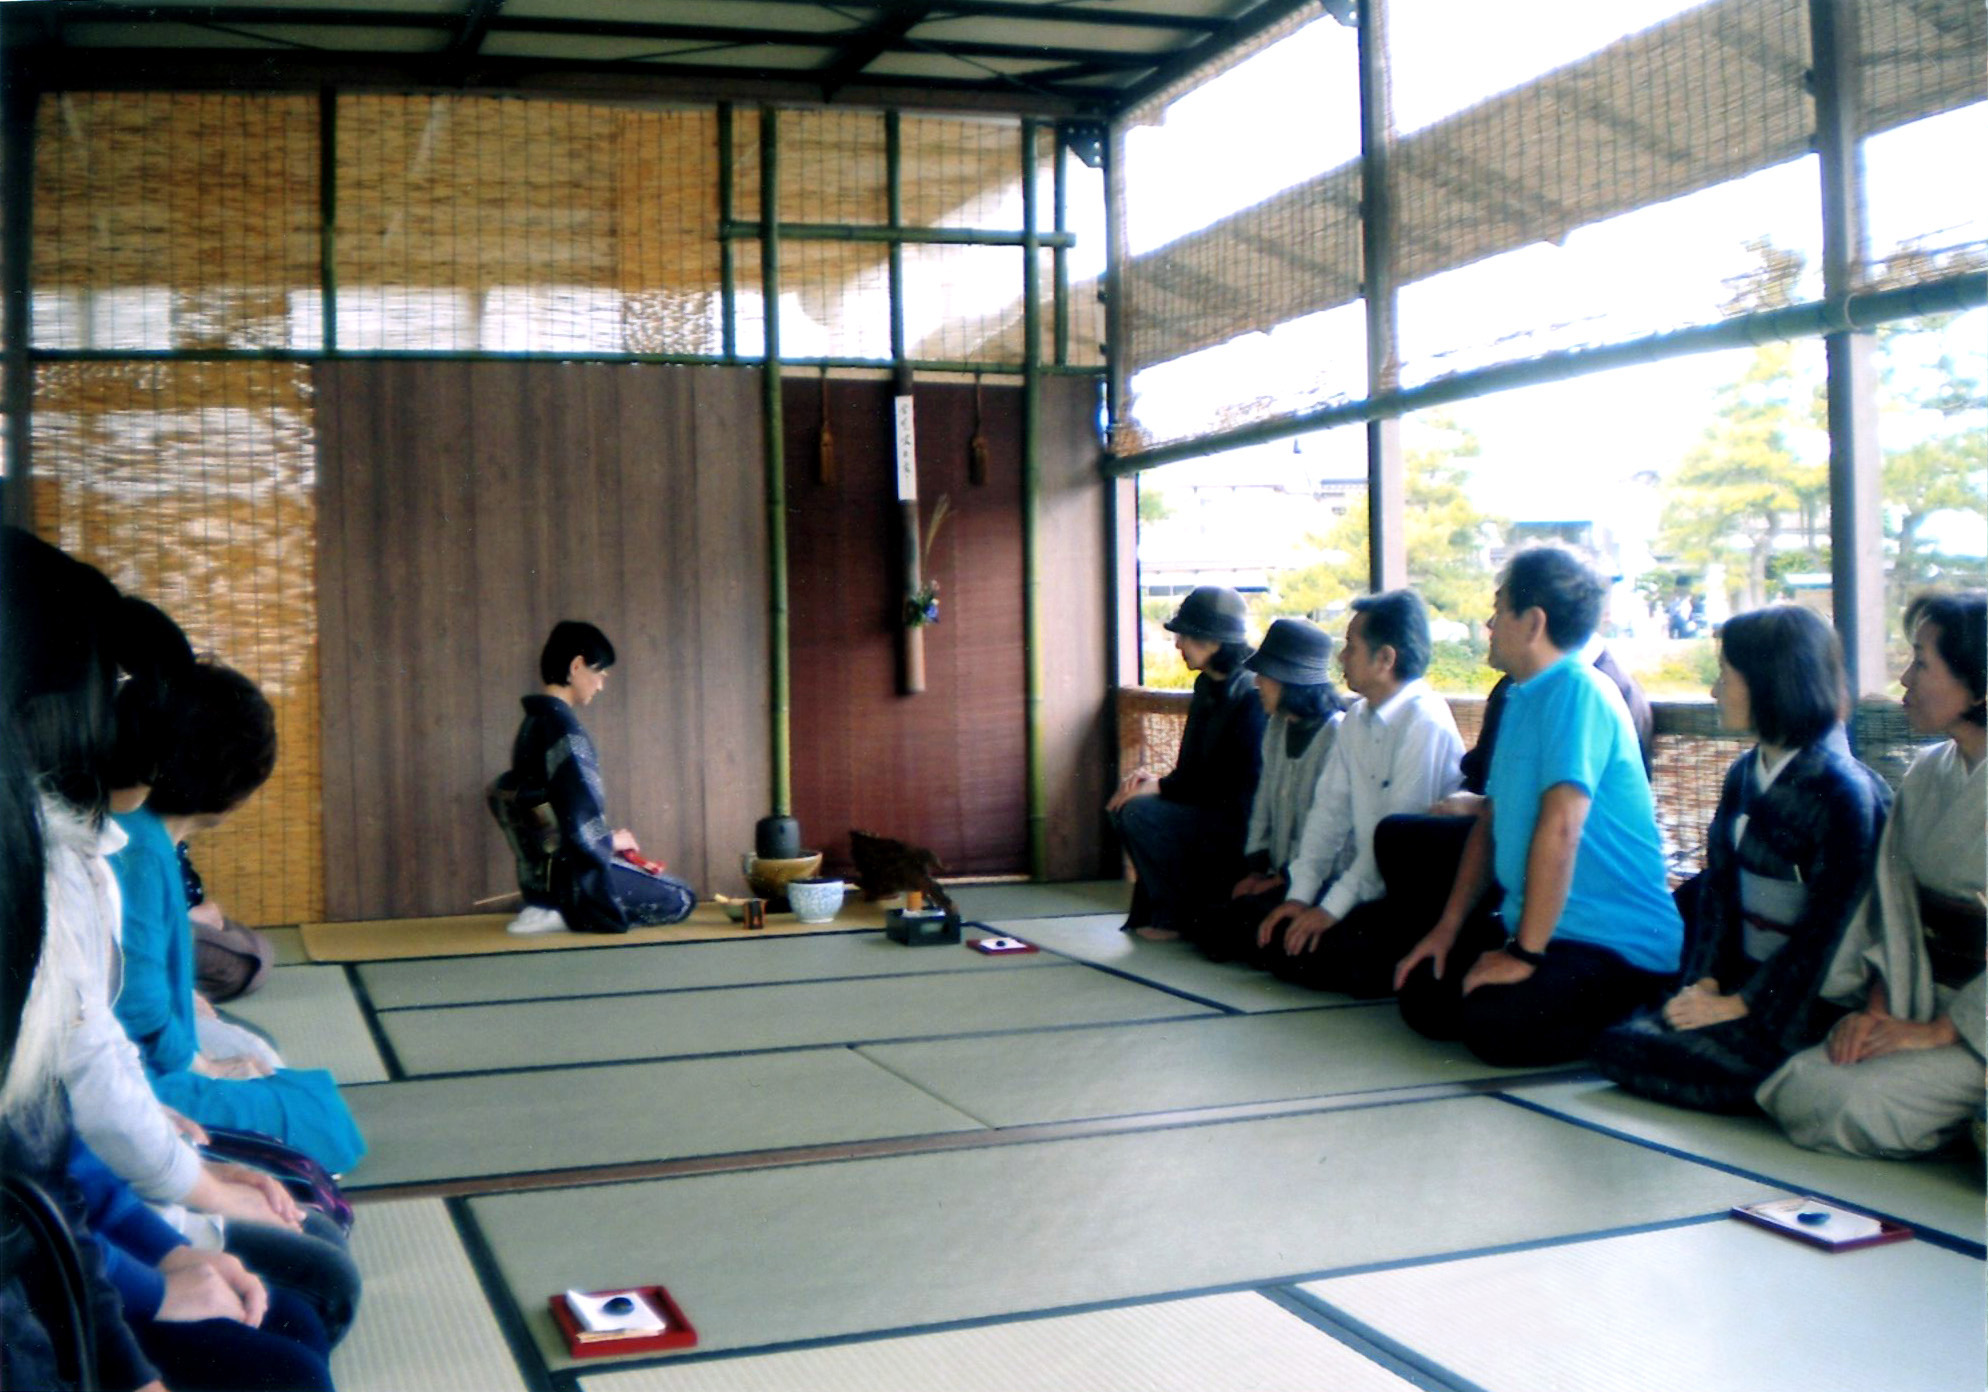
x=1397 y=751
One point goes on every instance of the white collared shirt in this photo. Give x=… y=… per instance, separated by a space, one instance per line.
x=1398 y=757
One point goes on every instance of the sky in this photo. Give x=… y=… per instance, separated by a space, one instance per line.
x=1555 y=450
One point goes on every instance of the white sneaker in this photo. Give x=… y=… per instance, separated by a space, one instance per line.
x=535 y=919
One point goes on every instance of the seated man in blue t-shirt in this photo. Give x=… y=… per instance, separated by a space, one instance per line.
x=1569 y=829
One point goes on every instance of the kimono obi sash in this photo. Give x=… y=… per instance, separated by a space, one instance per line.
x=1769 y=907
x=1956 y=936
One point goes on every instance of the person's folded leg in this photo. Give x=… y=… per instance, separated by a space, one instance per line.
x=1555 y=1015
x=1433 y=1006
x=286 y=1353
x=313 y=1263
x=1187 y=858
x=650 y=900
x=1356 y=956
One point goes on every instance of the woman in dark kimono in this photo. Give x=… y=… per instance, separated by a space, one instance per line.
x=1789 y=858
x=591 y=886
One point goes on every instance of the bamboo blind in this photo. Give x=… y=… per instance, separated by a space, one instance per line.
x=193 y=485
x=1712 y=95
x=174 y=220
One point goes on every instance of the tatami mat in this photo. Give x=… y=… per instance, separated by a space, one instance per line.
x=817 y=1251
x=463 y=935
x=989 y=903
x=497 y=1124
x=1717 y=1307
x=315 y=1021
x=667 y=967
x=473 y=1038
x=1095 y=938
x=423 y=1320
x=1219 y=1061
x=1943 y=1194
x=289 y=945
x=469 y=935
x=1238 y=1342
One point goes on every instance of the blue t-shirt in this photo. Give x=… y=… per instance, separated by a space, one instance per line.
x=1569 y=724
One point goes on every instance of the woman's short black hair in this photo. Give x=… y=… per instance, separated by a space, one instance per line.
x=1229 y=658
x=573 y=638
x=1397 y=619
x=1961 y=618
x=1555 y=580
x=58 y=674
x=223 y=743
x=1792 y=665
x=152 y=653
x=1310 y=702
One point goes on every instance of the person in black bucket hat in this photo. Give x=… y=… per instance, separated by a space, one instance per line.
x=1294 y=684
x=1185 y=830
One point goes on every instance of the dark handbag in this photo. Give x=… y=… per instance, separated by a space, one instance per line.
x=308 y=1182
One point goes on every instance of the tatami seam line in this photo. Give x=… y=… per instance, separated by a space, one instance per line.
x=1260 y=1286
x=1952 y=1242
x=713 y=987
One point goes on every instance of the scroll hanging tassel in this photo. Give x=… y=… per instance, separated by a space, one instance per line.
x=976 y=448
x=825 y=446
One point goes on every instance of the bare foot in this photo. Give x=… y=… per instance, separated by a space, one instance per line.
x=1151 y=934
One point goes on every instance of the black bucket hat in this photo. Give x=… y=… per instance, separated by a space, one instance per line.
x=1212 y=613
x=1294 y=652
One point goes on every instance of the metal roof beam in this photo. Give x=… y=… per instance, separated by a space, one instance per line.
x=889 y=36
x=475 y=24
x=56 y=69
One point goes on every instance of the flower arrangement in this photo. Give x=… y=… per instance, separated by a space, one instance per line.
x=921 y=605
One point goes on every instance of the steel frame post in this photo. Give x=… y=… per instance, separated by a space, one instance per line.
x=1856 y=455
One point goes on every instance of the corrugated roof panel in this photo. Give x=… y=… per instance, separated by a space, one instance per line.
x=1104 y=38
x=729 y=14
x=583 y=48
x=942 y=65
x=786 y=60
x=336 y=38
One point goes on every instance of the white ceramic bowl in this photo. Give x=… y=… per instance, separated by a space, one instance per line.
x=815 y=901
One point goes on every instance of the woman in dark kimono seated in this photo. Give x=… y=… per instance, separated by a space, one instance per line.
x=1789 y=858
x=590 y=886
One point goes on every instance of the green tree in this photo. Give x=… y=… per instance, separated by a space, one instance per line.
x=1946 y=468
x=1448 y=538
x=1748 y=483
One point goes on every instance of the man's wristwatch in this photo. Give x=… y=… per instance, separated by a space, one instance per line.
x=1523 y=954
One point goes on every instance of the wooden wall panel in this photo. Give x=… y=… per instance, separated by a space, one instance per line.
x=1078 y=753
x=466 y=507
x=944 y=769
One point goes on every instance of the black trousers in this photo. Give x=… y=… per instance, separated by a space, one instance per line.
x=1553 y=1016
x=1418 y=857
x=1229 y=933
x=1357 y=955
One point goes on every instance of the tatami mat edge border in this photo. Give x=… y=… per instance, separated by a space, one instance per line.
x=370 y=1013
x=1288 y=1282
x=693 y=990
x=510 y=1319
x=1369 y=1343
x=1938 y=1237
x=644 y=1171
